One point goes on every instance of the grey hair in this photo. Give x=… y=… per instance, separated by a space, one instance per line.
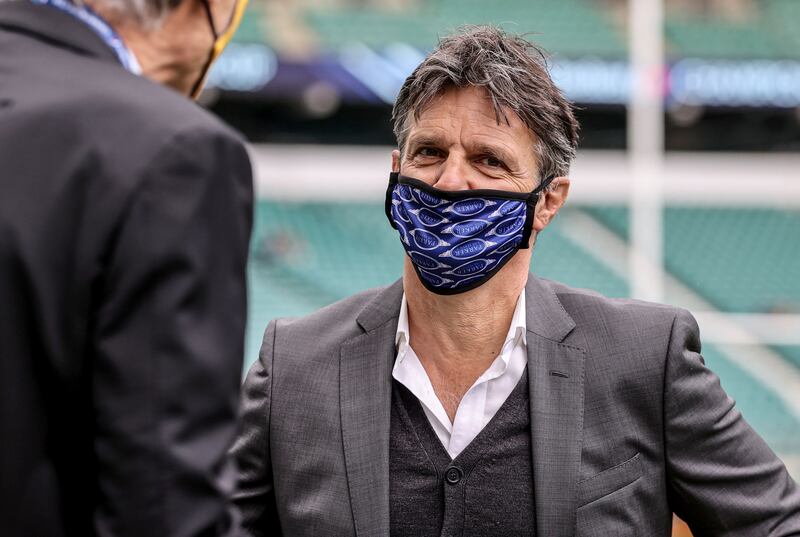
x=147 y=13
x=515 y=74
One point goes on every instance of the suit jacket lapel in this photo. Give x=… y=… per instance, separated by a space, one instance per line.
x=555 y=373
x=365 y=398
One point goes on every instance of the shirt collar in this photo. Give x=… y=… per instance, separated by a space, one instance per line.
x=516 y=331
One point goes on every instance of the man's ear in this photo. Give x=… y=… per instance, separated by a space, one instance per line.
x=550 y=202
x=396 y=160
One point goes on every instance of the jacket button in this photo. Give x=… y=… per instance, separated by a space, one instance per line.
x=453 y=475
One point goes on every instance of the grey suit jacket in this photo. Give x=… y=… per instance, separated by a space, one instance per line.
x=627 y=425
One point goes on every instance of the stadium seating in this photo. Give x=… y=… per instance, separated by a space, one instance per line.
x=771 y=33
x=253 y=28
x=716 y=39
x=721 y=255
x=781 y=18
x=572 y=28
x=759 y=405
x=792 y=353
x=372 y=27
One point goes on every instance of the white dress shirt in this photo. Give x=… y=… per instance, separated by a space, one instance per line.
x=482 y=400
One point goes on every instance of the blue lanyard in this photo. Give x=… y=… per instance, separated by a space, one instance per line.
x=101 y=28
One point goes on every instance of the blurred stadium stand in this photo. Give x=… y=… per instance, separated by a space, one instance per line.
x=327 y=72
x=722 y=254
x=733 y=29
x=572 y=26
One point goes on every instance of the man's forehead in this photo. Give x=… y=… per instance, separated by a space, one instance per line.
x=470 y=109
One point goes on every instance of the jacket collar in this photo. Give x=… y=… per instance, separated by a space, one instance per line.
x=544 y=314
x=556 y=388
x=365 y=392
x=383 y=307
x=55 y=27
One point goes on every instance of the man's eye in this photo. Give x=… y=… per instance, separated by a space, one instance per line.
x=428 y=152
x=492 y=162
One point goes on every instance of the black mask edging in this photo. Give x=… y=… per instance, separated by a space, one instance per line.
x=207 y=65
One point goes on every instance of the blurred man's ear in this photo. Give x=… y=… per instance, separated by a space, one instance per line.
x=550 y=202
x=396 y=160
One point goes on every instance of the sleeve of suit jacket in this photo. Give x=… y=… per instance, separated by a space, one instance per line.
x=255 y=495
x=169 y=343
x=724 y=480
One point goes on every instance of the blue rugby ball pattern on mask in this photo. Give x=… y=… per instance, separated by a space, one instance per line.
x=429 y=218
x=468 y=228
x=458 y=240
x=508 y=227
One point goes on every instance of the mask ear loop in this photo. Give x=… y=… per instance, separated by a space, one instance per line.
x=389 y=190
x=197 y=85
x=531 y=202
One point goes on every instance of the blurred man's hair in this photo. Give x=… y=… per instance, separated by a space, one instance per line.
x=148 y=13
x=514 y=72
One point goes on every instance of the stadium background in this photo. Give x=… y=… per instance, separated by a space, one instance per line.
x=311 y=83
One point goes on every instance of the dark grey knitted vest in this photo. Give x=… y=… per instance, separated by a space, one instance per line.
x=487 y=491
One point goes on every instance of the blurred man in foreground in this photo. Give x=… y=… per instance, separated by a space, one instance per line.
x=124 y=222
x=474 y=399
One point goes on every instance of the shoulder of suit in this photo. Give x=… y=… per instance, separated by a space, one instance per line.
x=590 y=308
x=108 y=107
x=630 y=337
x=154 y=108
x=333 y=324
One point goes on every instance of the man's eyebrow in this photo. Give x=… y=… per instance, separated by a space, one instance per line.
x=425 y=139
x=497 y=152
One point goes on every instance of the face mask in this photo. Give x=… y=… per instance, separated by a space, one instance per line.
x=220 y=40
x=458 y=240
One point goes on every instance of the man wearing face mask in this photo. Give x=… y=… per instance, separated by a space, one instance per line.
x=125 y=217
x=472 y=398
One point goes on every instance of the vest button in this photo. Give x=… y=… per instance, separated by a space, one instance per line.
x=453 y=475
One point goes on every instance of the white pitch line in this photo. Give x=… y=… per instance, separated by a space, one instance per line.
x=342 y=172
x=761 y=328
